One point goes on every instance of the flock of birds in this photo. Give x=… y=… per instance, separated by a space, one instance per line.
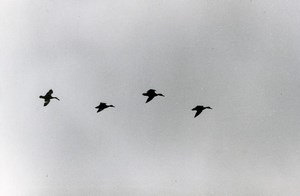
x=151 y=93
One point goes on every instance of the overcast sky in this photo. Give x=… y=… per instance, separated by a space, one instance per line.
x=239 y=57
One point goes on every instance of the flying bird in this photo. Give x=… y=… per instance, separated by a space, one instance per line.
x=199 y=109
x=48 y=97
x=151 y=94
x=103 y=106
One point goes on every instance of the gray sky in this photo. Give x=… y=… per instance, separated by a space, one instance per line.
x=239 y=57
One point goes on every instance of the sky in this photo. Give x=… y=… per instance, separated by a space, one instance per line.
x=239 y=57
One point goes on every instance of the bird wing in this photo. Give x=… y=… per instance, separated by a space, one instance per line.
x=197 y=113
x=195 y=108
x=49 y=93
x=99 y=109
x=149 y=98
x=47 y=101
x=100 y=104
x=151 y=91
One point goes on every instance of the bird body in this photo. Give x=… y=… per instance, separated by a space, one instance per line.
x=103 y=106
x=199 y=109
x=151 y=94
x=48 y=97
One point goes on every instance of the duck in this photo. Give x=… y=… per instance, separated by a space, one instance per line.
x=151 y=94
x=199 y=109
x=103 y=106
x=48 y=97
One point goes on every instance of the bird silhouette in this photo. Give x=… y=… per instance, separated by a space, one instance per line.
x=103 y=106
x=199 y=109
x=48 y=97
x=151 y=94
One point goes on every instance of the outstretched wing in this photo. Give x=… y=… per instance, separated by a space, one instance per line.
x=100 y=109
x=150 y=91
x=49 y=93
x=101 y=104
x=197 y=113
x=149 y=98
x=47 y=101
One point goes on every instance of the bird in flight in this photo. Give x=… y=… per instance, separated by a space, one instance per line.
x=103 y=106
x=199 y=109
x=48 y=97
x=151 y=94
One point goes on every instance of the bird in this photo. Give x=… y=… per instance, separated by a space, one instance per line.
x=103 y=106
x=48 y=97
x=151 y=94
x=199 y=109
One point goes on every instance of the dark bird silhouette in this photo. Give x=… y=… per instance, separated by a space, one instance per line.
x=103 y=106
x=151 y=94
x=199 y=109
x=48 y=97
